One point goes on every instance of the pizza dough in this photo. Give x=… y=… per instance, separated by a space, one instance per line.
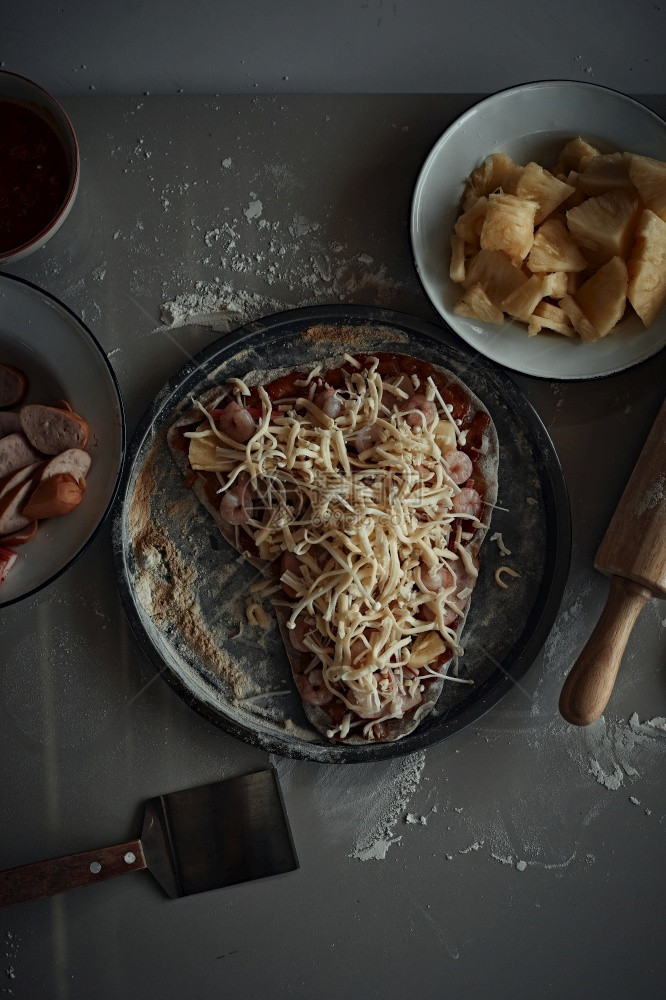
x=364 y=488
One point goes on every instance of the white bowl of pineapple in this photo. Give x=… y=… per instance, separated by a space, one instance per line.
x=539 y=229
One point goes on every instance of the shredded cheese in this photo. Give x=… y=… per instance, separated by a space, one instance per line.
x=256 y=615
x=364 y=506
x=497 y=537
x=498 y=575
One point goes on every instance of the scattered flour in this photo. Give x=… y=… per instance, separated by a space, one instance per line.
x=616 y=743
x=220 y=307
x=253 y=210
x=610 y=781
x=301 y=227
x=411 y=818
x=375 y=840
x=11 y=942
x=300 y=265
x=358 y=806
x=476 y=846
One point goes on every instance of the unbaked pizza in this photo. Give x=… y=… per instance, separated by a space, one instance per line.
x=362 y=489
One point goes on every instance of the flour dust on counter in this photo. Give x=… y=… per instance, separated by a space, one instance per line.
x=490 y=808
x=11 y=942
x=262 y=249
x=363 y=808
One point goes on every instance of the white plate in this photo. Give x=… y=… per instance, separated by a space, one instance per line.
x=530 y=122
x=62 y=360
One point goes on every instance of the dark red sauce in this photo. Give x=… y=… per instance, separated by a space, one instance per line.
x=34 y=175
x=390 y=364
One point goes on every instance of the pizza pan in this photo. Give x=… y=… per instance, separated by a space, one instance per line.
x=185 y=590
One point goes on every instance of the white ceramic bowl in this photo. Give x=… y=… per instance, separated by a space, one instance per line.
x=62 y=360
x=18 y=89
x=530 y=122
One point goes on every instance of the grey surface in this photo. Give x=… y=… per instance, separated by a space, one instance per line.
x=89 y=730
x=168 y=46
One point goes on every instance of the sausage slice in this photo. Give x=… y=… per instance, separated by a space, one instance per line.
x=20 y=537
x=10 y=422
x=16 y=478
x=15 y=453
x=73 y=461
x=7 y=560
x=13 y=385
x=51 y=430
x=11 y=518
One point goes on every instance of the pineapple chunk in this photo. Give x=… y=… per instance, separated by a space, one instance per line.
x=551 y=317
x=522 y=302
x=445 y=436
x=603 y=297
x=603 y=226
x=647 y=267
x=540 y=186
x=457 y=268
x=426 y=649
x=493 y=270
x=203 y=451
x=554 y=250
x=573 y=282
x=555 y=285
x=576 y=155
x=475 y=304
x=649 y=176
x=579 y=320
x=488 y=177
x=604 y=173
x=511 y=178
x=470 y=223
x=509 y=226
x=578 y=196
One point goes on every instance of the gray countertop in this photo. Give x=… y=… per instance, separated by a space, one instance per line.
x=522 y=857
x=352 y=46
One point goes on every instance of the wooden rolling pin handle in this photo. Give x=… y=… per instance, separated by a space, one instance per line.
x=589 y=685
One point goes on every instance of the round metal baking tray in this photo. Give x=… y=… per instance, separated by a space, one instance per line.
x=505 y=629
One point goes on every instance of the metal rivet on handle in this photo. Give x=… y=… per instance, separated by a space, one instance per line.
x=95 y=867
x=130 y=858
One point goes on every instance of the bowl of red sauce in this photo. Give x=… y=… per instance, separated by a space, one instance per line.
x=39 y=167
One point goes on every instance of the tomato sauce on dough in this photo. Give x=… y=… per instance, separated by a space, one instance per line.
x=34 y=175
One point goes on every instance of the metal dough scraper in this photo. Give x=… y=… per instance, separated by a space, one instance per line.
x=192 y=841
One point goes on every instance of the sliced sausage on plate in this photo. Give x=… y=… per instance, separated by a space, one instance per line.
x=7 y=560
x=51 y=430
x=53 y=497
x=10 y=422
x=21 y=536
x=11 y=505
x=73 y=461
x=15 y=453
x=18 y=477
x=13 y=385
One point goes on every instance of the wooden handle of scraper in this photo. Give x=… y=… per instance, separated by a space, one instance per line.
x=47 y=878
x=589 y=685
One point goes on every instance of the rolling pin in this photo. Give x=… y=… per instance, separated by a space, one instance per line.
x=633 y=554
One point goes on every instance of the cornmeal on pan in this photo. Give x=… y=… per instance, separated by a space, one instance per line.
x=362 y=489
